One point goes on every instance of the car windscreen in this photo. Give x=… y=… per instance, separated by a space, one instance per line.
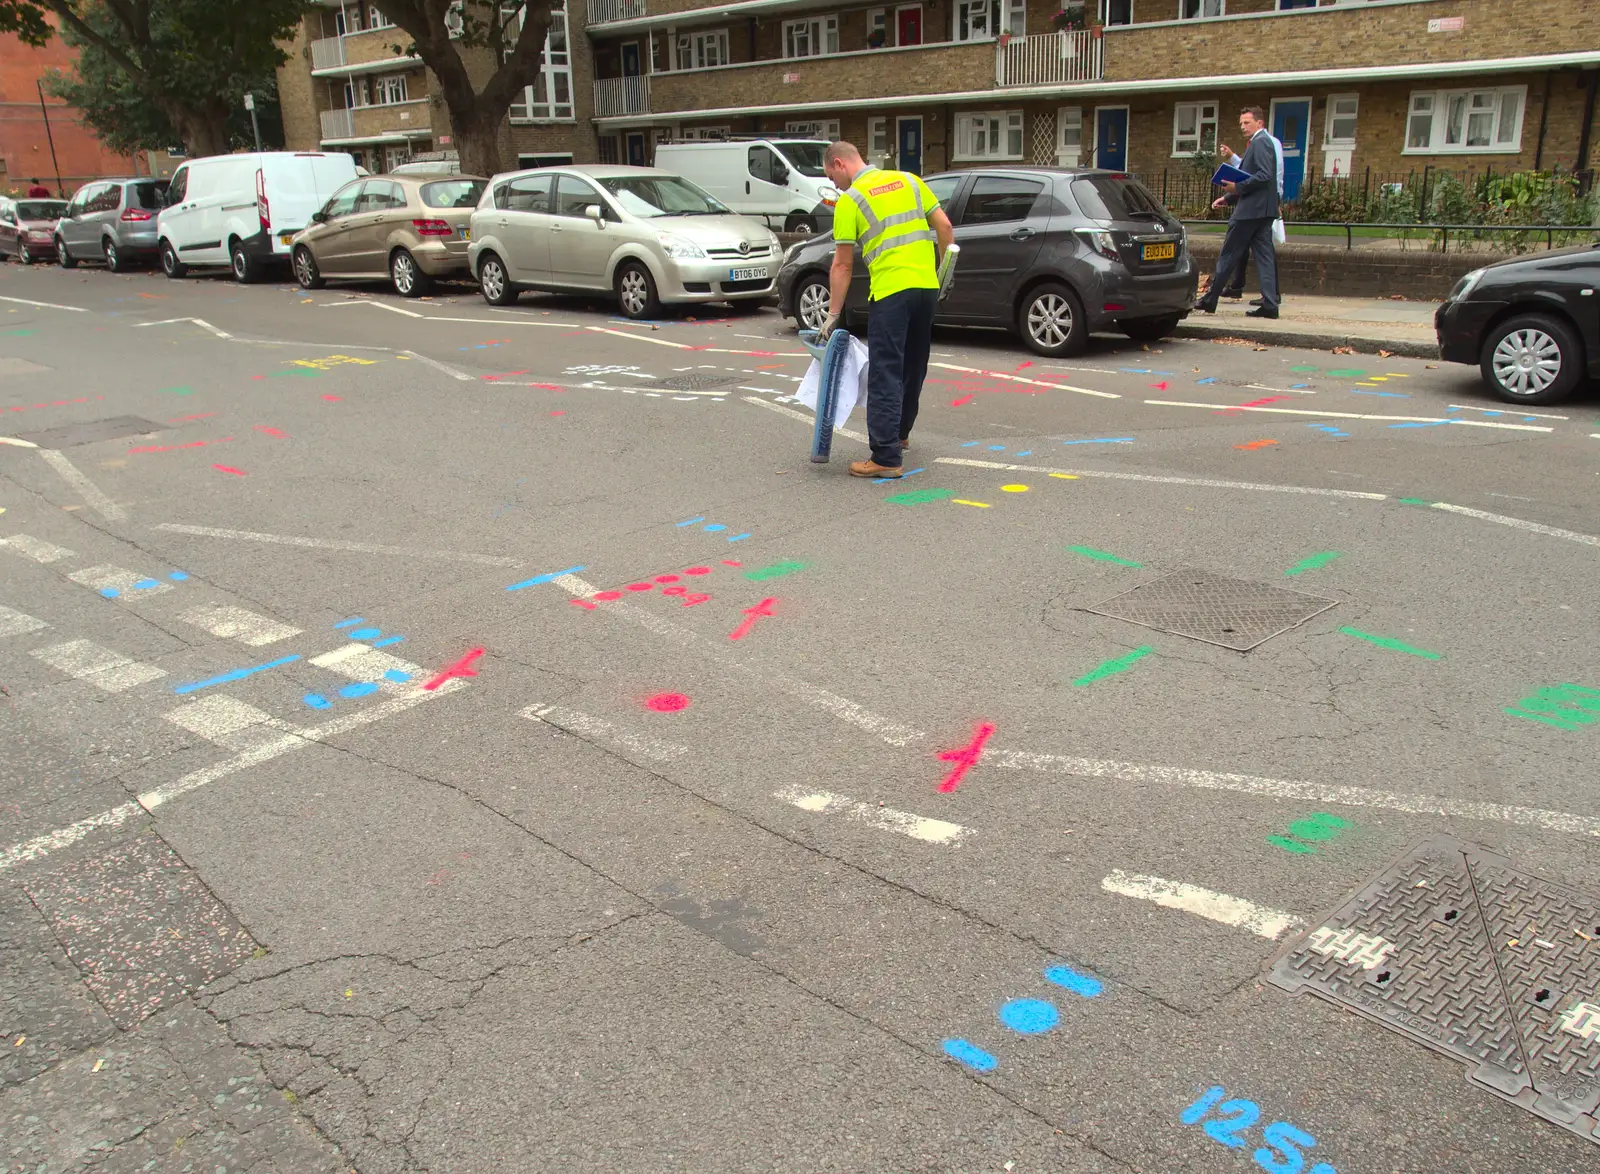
x=147 y=195
x=806 y=158
x=453 y=193
x=660 y=195
x=1116 y=197
x=41 y=209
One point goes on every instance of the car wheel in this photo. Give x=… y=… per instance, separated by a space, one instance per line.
x=245 y=267
x=23 y=253
x=1532 y=359
x=409 y=280
x=63 y=258
x=1150 y=329
x=1050 y=318
x=170 y=265
x=812 y=300
x=636 y=291
x=305 y=269
x=114 y=261
x=800 y=222
x=494 y=282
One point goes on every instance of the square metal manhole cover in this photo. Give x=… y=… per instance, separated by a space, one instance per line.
x=1457 y=949
x=1232 y=613
x=72 y=435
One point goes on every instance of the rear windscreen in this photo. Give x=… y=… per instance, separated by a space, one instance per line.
x=41 y=209
x=146 y=195
x=453 y=193
x=1113 y=197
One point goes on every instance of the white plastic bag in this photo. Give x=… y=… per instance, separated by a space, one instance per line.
x=852 y=383
x=1279 y=236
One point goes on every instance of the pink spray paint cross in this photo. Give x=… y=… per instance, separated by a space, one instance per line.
x=966 y=757
x=764 y=608
x=458 y=669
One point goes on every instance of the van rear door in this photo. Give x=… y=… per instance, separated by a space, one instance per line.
x=297 y=185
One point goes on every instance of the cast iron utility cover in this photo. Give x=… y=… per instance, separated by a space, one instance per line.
x=72 y=435
x=695 y=382
x=1465 y=954
x=1232 y=613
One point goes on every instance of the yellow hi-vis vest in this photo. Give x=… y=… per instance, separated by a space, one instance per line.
x=886 y=213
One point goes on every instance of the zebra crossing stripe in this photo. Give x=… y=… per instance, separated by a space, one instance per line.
x=15 y=623
x=589 y=726
x=37 y=549
x=1207 y=903
x=100 y=667
x=361 y=662
x=111 y=580
x=885 y=819
x=228 y=722
x=235 y=623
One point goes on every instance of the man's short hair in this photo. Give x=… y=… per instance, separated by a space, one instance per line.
x=1255 y=112
x=840 y=152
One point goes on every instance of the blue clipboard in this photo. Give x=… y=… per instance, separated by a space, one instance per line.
x=1228 y=173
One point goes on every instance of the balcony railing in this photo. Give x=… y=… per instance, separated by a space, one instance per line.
x=602 y=11
x=327 y=53
x=621 y=95
x=1050 y=58
x=338 y=124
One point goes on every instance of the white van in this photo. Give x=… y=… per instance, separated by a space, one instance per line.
x=242 y=210
x=779 y=180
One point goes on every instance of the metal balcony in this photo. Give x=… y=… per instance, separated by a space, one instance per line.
x=603 y=11
x=1050 y=59
x=328 y=53
x=614 y=96
x=338 y=124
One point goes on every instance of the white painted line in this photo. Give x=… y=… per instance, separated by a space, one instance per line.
x=332 y=544
x=43 y=845
x=200 y=322
x=1518 y=523
x=37 y=549
x=228 y=722
x=438 y=366
x=361 y=662
x=17 y=443
x=1367 y=951
x=92 y=497
x=119 y=579
x=15 y=623
x=1315 y=490
x=1035 y=382
x=102 y=668
x=799 y=415
x=1582 y=1020
x=1174 y=776
x=601 y=730
x=1168 y=403
x=235 y=623
x=886 y=819
x=1508 y=412
x=682 y=346
x=45 y=305
x=370 y=302
x=1229 y=910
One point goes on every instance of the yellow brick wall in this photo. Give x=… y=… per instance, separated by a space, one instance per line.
x=299 y=95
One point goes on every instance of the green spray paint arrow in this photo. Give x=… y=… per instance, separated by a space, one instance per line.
x=1103 y=556
x=1312 y=562
x=1116 y=665
x=1390 y=642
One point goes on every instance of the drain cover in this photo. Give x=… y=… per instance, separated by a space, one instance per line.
x=1233 y=613
x=72 y=435
x=1460 y=951
x=695 y=382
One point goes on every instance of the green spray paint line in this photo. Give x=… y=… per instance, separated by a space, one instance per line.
x=1116 y=665
x=1103 y=556
x=175 y=390
x=1550 y=719
x=1312 y=562
x=1414 y=501
x=1289 y=845
x=918 y=496
x=776 y=571
x=1389 y=642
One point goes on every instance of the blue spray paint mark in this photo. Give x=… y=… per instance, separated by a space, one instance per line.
x=548 y=578
x=396 y=675
x=1138 y=370
x=317 y=701
x=359 y=689
x=146 y=584
x=1029 y=453
x=1298 y=386
x=349 y=623
x=969 y=444
x=902 y=477
x=997 y=448
x=1078 y=984
x=180 y=576
x=388 y=640
x=1029 y=1016
x=736 y=537
x=971 y=1055
x=366 y=633
x=1421 y=424
x=713 y=527
x=1207 y=379
x=110 y=592
x=692 y=521
x=236 y=674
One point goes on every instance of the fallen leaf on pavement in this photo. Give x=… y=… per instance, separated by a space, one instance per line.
x=1344 y=350
x=1385 y=354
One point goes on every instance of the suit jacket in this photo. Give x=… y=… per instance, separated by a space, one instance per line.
x=1257 y=197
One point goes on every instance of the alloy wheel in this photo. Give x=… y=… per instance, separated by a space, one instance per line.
x=633 y=292
x=1527 y=362
x=493 y=280
x=815 y=301
x=305 y=269
x=404 y=272
x=1049 y=320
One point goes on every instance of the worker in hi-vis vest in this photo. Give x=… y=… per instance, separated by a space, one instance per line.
x=897 y=222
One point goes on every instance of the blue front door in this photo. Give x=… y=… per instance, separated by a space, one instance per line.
x=1291 y=123
x=910 y=156
x=1111 y=137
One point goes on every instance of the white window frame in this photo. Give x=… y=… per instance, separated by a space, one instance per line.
x=964 y=28
x=1014 y=17
x=1187 y=146
x=1069 y=132
x=702 y=49
x=376 y=19
x=1470 y=103
x=1339 y=142
x=998 y=127
x=1105 y=14
x=705 y=134
x=1201 y=9
x=817 y=36
x=878 y=148
x=878 y=20
x=821 y=128
x=543 y=101
x=390 y=90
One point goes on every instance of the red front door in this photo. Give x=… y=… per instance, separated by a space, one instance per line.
x=908 y=26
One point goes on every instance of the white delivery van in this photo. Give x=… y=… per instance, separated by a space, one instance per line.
x=779 y=180
x=242 y=210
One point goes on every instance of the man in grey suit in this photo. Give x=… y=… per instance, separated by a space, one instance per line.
x=1255 y=202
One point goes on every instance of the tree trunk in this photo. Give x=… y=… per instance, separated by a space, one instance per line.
x=476 y=137
x=205 y=132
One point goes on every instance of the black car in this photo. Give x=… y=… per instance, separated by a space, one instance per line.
x=1531 y=325
x=1052 y=253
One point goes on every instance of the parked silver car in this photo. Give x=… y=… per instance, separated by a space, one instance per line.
x=28 y=228
x=644 y=234
x=112 y=221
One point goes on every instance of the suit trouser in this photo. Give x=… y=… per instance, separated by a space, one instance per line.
x=1252 y=236
x=899 y=338
x=1234 y=285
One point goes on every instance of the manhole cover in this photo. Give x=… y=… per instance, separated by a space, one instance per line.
x=1233 y=613
x=72 y=435
x=695 y=382
x=1460 y=951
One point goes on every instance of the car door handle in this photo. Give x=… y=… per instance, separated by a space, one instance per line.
x=1022 y=234
x=747 y=187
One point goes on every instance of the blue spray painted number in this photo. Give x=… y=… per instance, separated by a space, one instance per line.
x=1282 y=1152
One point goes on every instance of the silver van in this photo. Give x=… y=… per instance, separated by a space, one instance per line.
x=111 y=220
x=645 y=235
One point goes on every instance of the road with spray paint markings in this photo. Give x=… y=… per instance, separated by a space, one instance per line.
x=445 y=738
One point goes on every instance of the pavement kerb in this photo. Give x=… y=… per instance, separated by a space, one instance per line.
x=1312 y=339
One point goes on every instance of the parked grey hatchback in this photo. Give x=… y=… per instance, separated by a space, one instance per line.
x=112 y=221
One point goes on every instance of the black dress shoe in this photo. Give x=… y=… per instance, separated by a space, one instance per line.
x=1258 y=301
x=1206 y=306
x=1233 y=295
x=1262 y=312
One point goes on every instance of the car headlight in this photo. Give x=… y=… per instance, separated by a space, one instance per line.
x=680 y=247
x=1464 y=286
x=828 y=194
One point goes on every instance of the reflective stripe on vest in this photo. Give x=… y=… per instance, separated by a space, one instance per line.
x=877 y=226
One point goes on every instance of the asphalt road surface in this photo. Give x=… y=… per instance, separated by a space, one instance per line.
x=448 y=739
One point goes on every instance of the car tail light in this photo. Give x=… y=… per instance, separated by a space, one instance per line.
x=137 y=214
x=263 y=209
x=433 y=228
x=1101 y=242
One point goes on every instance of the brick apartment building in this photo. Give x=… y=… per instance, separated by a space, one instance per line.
x=1361 y=89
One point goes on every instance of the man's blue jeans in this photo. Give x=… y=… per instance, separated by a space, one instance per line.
x=899 y=337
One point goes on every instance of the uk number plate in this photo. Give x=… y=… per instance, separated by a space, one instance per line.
x=1164 y=252
x=751 y=274
x=286 y=237
x=466 y=233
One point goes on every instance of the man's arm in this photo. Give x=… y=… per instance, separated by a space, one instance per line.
x=944 y=231
x=839 y=277
x=1262 y=166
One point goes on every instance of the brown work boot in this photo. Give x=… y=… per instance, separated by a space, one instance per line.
x=873 y=469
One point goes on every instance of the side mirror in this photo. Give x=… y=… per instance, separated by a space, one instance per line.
x=596 y=213
x=320 y=216
x=781 y=176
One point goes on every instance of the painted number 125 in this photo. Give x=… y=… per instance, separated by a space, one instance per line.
x=1231 y=1120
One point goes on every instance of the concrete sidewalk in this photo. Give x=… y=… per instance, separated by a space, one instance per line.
x=1366 y=325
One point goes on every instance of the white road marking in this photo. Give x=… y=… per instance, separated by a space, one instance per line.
x=119 y=579
x=1582 y=1020
x=1034 y=382
x=46 y=305
x=1367 y=951
x=15 y=442
x=361 y=662
x=1229 y=910
x=43 y=845
x=1507 y=412
x=975 y=464
x=37 y=549
x=92 y=497
x=200 y=322
x=887 y=819
x=602 y=730
x=333 y=544
x=15 y=623
x=1169 y=403
x=228 y=722
x=809 y=418
x=235 y=623
x=1518 y=523
x=437 y=365
x=1175 y=776
x=102 y=668
x=371 y=302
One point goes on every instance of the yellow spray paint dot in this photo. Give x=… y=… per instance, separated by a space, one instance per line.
x=349 y=994
x=1065 y=476
x=1014 y=489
